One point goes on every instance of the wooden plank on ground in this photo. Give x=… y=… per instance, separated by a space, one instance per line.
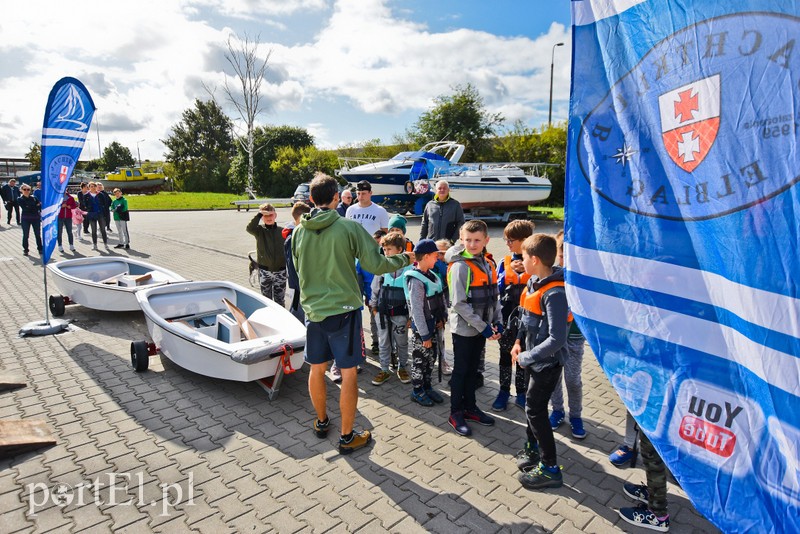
x=19 y=436
x=9 y=381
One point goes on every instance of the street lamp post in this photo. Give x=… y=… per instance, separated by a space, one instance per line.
x=139 y=155
x=552 y=60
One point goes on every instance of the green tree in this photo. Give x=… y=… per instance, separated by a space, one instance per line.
x=115 y=155
x=95 y=165
x=531 y=145
x=34 y=156
x=268 y=140
x=460 y=117
x=200 y=148
x=293 y=166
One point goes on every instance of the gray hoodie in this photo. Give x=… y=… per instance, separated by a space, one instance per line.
x=465 y=319
x=546 y=335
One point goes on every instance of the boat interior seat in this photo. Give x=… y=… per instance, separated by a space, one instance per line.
x=228 y=330
x=263 y=322
x=134 y=280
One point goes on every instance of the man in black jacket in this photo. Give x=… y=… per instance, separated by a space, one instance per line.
x=10 y=194
x=443 y=216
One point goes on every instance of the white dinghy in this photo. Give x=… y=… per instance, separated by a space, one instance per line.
x=105 y=283
x=222 y=330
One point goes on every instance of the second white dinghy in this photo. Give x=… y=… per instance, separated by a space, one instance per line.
x=222 y=330
x=106 y=283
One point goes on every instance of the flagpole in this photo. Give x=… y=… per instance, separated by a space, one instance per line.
x=46 y=304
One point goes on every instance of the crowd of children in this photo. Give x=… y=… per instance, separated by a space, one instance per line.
x=520 y=302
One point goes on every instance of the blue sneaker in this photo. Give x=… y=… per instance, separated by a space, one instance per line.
x=434 y=396
x=577 y=427
x=641 y=516
x=520 y=401
x=501 y=402
x=621 y=456
x=637 y=492
x=420 y=397
x=556 y=418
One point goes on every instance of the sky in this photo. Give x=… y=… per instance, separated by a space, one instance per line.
x=348 y=71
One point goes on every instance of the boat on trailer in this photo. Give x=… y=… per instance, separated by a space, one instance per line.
x=107 y=283
x=407 y=180
x=221 y=330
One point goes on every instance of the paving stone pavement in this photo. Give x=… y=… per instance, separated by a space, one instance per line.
x=177 y=452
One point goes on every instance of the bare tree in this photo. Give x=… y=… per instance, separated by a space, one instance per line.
x=249 y=70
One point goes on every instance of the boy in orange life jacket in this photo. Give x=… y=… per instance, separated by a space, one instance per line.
x=388 y=304
x=544 y=326
x=511 y=280
x=474 y=318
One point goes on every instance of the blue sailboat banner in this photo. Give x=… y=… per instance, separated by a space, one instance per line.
x=67 y=118
x=683 y=231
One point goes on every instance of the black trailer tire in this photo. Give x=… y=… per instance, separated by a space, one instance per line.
x=140 y=357
x=57 y=306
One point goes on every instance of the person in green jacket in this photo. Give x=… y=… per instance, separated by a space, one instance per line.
x=270 y=253
x=121 y=217
x=324 y=248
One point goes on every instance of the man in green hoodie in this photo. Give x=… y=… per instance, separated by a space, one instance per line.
x=325 y=247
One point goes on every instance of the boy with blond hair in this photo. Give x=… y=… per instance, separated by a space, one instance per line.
x=474 y=318
x=511 y=280
x=388 y=305
x=544 y=325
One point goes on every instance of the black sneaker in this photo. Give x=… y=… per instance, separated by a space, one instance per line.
x=358 y=440
x=528 y=458
x=321 y=428
x=540 y=477
x=459 y=424
x=636 y=492
x=127 y=246
x=642 y=516
x=479 y=417
x=119 y=246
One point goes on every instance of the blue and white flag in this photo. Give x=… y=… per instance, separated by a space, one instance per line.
x=67 y=118
x=683 y=231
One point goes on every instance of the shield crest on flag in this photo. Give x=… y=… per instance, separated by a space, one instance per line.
x=690 y=121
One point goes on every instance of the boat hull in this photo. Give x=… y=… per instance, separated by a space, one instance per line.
x=392 y=189
x=81 y=280
x=133 y=186
x=198 y=348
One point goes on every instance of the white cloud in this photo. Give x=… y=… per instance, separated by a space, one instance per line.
x=145 y=62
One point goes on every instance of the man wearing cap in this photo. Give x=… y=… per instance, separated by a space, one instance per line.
x=270 y=253
x=324 y=249
x=443 y=216
x=365 y=212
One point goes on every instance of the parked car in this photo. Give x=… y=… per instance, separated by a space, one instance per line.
x=301 y=194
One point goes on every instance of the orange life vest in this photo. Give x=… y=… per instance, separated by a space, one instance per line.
x=482 y=288
x=512 y=277
x=532 y=302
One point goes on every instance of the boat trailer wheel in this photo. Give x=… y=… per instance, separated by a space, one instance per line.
x=57 y=305
x=140 y=355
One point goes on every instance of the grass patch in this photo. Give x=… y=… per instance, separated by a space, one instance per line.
x=555 y=213
x=169 y=201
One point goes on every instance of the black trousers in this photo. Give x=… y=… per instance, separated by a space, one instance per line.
x=466 y=356
x=540 y=386
x=10 y=206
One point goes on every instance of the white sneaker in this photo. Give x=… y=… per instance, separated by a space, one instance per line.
x=72 y=248
x=61 y=249
x=446 y=368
